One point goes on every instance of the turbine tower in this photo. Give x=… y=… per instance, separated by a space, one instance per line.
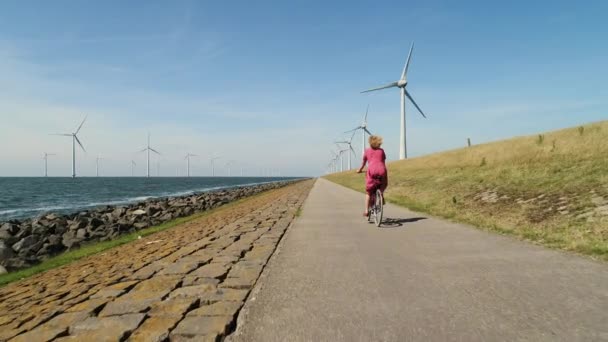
x=133 y=164
x=349 y=149
x=364 y=130
x=147 y=150
x=74 y=141
x=46 y=160
x=401 y=84
x=188 y=155
x=212 y=160
x=97 y=165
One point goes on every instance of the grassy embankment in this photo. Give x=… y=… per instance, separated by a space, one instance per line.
x=551 y=189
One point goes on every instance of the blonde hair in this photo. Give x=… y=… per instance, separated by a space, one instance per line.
x=375 y=141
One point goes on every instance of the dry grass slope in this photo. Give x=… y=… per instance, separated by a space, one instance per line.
x=550 y=188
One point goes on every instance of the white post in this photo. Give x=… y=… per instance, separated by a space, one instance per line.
x=45 y=165
x=403 y=146
x=97 y=167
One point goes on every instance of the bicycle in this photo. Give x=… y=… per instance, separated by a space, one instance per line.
x=377 y=208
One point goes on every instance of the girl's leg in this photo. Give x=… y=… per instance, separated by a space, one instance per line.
x=367 y=204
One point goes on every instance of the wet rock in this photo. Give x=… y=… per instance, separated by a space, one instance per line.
x=69 y=240
x=95 y=222
x=138 y=212
x=6 y=252
x=25 y=243
x=81 y=234
x=11 y=228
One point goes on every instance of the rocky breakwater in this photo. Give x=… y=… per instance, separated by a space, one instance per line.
x=27 y=242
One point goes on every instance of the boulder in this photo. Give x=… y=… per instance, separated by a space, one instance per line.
x=49 y=249
x=138 y=212
x=51 y=216
x=81 y=234
x=140 y=225
x=11 y=228
x=7 y=237
x=69 y=239
x=3 y=270
x=95 y=222
x=26 y=243
x=6 y=252
x=78 y=224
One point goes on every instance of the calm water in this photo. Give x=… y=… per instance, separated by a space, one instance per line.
x=28 y=197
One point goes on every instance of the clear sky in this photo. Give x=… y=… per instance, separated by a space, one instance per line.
x=271 y=84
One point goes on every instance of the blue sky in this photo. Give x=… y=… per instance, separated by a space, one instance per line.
x=270 y=84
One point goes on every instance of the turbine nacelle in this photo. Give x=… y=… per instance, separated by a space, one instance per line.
x=401 y=83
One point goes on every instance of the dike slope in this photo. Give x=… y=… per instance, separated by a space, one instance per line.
x=550 y=188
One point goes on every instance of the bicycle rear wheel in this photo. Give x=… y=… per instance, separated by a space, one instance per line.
x=378 y=208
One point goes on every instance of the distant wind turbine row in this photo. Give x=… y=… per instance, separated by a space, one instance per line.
x=148 y=149
x=401 y=84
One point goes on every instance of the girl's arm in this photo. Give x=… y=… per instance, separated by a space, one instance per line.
x=363 y=164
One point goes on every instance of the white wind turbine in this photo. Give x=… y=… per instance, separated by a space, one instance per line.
x=188 y=155
x=229 y=167
x=46 y=160
x=401 y=84
x=133 y=164
x=364 y=130
x=74 y=141
x=350 y=149
x=148 y=149
x=212 y=160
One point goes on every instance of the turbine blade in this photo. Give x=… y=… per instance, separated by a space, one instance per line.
x=368 y=132
x=407 y=63
x=366 y=111
x=153 y=150
x=144 y=150
x=79 y=127
x=79 y=143
x=351 y=138
x=65 y=135
x=353 y=130
x=414 y=102
x=390 y=85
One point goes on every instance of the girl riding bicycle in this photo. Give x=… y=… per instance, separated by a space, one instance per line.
x=377 y=175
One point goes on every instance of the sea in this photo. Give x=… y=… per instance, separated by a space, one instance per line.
x=25 y=197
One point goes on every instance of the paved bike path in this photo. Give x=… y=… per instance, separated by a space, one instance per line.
x=337 y=278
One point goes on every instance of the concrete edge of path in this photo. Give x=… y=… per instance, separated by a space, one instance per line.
x=259 y=284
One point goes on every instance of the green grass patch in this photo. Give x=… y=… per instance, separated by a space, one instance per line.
x=547 y=188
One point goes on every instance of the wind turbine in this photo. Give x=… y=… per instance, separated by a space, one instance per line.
x=148 y=149
x=46 y=159
x=97 y=165
x=363 y=128
x=133 y=164
x=188 y=155
x=349 y=149
x=74 y=141
x=229 y=166
x=212 y=160
x=401 y=84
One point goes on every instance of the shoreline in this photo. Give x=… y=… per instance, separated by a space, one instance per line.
x=24 y=243
x=21 y=214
